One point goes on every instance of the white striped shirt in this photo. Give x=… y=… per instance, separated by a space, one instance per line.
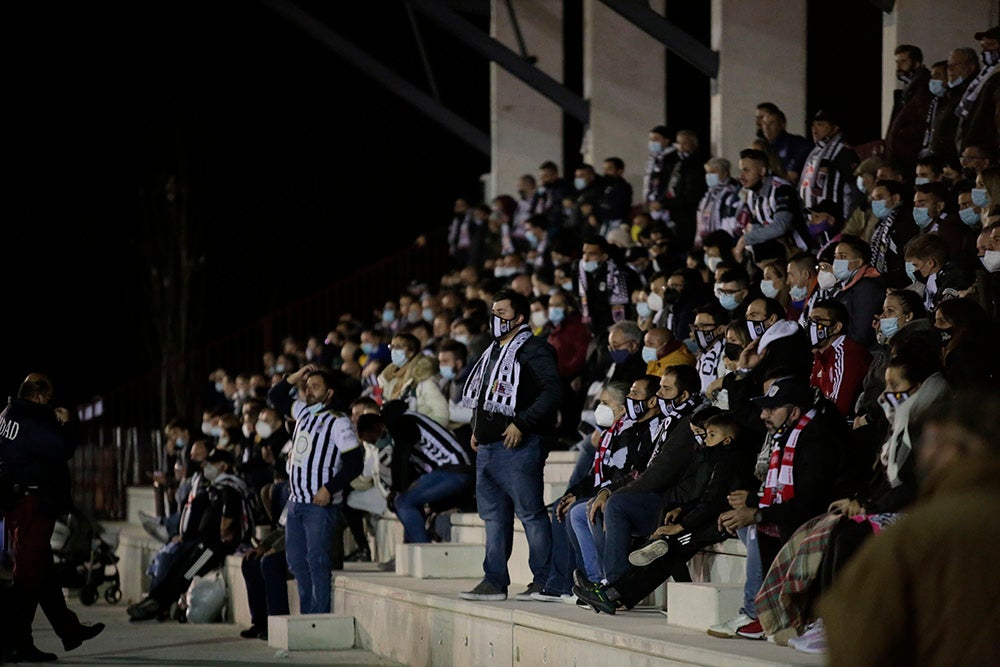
x=317 y=444
x=437 y=446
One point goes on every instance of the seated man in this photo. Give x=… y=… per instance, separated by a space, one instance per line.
x=429 y=465
x=720 y=466
x=631 y=510
x=805 y=460
x=266 y=575
x=840 y=364
x=929 y=264
x=224 y=525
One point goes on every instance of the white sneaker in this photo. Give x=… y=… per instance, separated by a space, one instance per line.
x=728 y=629
x=647 y=554
x=813 y=640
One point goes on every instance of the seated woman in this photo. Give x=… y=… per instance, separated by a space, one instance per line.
x=720 y=467
x=808 y=563
x=413 y=377
x=967 y=338
x=610 y=441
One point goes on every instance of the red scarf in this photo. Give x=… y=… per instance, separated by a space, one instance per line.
x=779 y=485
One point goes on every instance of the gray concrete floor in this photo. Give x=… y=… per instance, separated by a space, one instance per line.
x=171 y=643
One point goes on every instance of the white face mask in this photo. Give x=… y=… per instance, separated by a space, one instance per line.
x=604 y=416
x=826 y=279
x=991 y=260
x=538 y=319
x=263 y=430
x=655 y=302
x=210 y=472
x=246 y=431
x=713 y=263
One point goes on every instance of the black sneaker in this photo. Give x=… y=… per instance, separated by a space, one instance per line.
x=81 y=634
x=596 y=598
x=581 y=580
x=583 y=605
x=525 y=596
x=545 y=595
x=486 y=592
x=253 y=632
x=31 y=654
x=388 y=566
x=359 y=556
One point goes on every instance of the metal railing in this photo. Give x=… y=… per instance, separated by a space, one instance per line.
x=125 y=443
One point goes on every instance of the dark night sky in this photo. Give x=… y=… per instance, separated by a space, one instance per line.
x=296 y=156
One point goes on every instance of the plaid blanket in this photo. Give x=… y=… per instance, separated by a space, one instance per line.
x=780 y=599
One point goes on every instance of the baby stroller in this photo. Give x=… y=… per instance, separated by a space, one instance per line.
x=84 y=554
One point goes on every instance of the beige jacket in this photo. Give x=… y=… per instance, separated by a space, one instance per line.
x=416 y=383
x=926 y=591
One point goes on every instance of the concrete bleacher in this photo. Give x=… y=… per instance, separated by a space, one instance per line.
x=413 y=614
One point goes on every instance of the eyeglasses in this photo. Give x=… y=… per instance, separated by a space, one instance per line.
x=730 y=292
x=822 y=323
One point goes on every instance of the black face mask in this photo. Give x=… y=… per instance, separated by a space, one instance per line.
x=733 y=351
x=942 y=336
x=671 y=295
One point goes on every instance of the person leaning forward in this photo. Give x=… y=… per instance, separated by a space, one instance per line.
x=514 y=391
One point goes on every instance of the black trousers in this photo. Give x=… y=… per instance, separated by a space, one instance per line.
x=638 y=582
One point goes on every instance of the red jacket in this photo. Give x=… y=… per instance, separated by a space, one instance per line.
x=570 y=338
x=839 y=371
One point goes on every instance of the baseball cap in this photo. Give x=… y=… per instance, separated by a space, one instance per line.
x=785 y=391
x=992 y=33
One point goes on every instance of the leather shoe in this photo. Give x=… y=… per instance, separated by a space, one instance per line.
x=31 y=654
x=144 y=611
x=253 y=632
x=81 y=634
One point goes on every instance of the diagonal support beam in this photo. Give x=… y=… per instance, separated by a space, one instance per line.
x=473 y=37
x=680 y=43
x=382 y=75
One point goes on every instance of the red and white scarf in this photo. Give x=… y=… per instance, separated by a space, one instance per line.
x=779 y=485
x=603 y=453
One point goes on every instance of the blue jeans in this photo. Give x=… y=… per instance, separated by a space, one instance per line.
x=309 y=534
x=429 y=487
x=509 y=484
x=564 y=554
x=589 y=540
x=627 y=515
x=584 y=463
x=267 y=587
x=755 y=574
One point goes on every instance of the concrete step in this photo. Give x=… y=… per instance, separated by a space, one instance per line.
x=424 y=622
x=443 y=560
x=311 y=632
x=139 y=498
x=702 y=605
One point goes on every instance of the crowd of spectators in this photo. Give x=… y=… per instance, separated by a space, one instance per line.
x=746 y=350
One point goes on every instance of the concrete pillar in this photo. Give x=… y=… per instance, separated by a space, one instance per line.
x=525 y=127
x=623 y=77
x=759 y=61
x=937 y=28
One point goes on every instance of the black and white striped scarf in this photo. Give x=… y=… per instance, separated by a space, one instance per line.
x=615 y=282
x=819 y=182
x=972 y=92
x=505 y=376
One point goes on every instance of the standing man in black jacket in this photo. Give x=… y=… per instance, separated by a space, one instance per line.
x=36 y=441
x=515 y=392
